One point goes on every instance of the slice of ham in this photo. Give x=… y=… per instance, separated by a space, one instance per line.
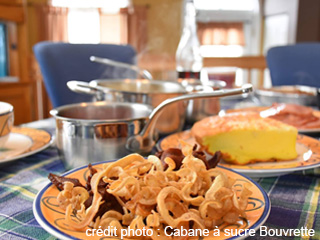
x=298 y=116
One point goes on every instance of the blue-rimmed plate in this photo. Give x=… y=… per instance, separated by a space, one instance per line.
x=51 y=217
x=308 y=150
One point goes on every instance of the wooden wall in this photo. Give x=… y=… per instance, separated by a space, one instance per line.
x=22 y=35
x=308 y=25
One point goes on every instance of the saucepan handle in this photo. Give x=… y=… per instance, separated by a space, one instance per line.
x=143 y=72
x=143 y=142
x=84 y=87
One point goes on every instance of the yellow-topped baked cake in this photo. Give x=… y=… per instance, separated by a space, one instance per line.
x=246 y=137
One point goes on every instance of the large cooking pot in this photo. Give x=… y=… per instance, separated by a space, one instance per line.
x=201 y=108
x=297 y=94
x=91 y=132
x=150 y=92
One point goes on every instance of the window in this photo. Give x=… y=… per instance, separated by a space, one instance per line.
x=83 y=25
x=224 y=5
x=84 y=18
x=220 y=14
x=3 y=51
x=228 y=28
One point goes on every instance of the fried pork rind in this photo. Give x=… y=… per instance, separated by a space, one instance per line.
x=74 y=196
x=155 y=197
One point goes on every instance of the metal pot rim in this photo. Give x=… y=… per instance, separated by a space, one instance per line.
x=95 y=83
x=310 y=92
x=210 y=83
x=55 y=113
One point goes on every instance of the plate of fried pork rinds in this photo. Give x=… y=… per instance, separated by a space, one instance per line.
x=162 y=194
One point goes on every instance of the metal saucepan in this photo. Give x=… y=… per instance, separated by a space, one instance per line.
x=97 y=131
x=151 y=92
x=201 y=108
x=91 y=132
x=297 y=94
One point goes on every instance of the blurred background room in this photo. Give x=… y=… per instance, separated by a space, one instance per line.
x=234 y=38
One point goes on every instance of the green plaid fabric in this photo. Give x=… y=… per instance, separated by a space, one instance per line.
x=294 y=197
x=19 y=183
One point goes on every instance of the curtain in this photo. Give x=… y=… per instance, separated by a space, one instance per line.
x=113 y=28
x=52 y=25
x=221 y=33
x=54 y=21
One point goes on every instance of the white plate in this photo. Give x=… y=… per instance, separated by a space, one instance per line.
x=16 y=144
x=269 y=169
x=24 y=142
x=309 y=131
x=308 y=150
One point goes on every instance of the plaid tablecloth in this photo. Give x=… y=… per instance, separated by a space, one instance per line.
x=294 y=197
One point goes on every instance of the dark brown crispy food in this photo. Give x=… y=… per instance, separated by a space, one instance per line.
x=110 y=202
x=177 y=156
x=200 y=154
x=88 y=202
x=213 y=162
x=92 y=172
x=59 y=181
x=174 y=153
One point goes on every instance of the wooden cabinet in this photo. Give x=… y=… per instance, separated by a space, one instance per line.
x=22 y=97
x=22 y=94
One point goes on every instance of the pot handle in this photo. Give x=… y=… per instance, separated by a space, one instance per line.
x=84 y=87
x=144 y=142
x=143 y=72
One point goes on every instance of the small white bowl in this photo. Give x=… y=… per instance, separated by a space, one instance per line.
x=6 y=121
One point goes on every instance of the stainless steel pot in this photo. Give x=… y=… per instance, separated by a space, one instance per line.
x=150 y=92
x=297 y=94
x=201 y=108
x=92 y=132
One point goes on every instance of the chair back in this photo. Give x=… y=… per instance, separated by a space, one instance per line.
x=297 y=64
x=62 y=62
